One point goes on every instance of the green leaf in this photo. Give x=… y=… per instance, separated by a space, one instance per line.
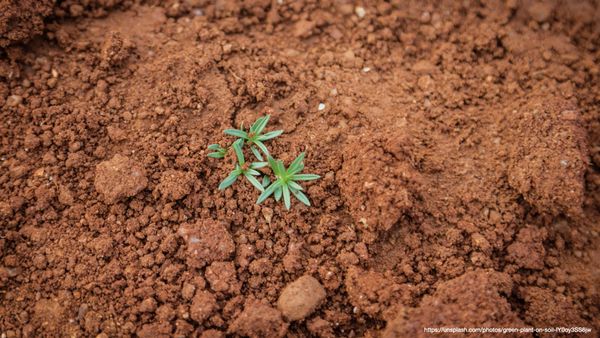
x=262 y=147
x=286 y=197
x=229 y=180
x=278 y=194
x=295 y=186
x=253 y=172
x=238 y=152
x=216 y=155
x=266 y=181
x=254 y=182
x=273 y=165
x=301 y=197
x=258 y=165
x=297 y=165
x=268 y=192
x=256 y=153
x=255 y=124
x=260 y=124
x=270 y=135
x=236 y=133
x=280 y=167
x=214 y=147
x=305 y=177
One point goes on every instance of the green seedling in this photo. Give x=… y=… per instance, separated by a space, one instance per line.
x=218 y=151
x=255 y=137
x=243 y=168
x=286 y=182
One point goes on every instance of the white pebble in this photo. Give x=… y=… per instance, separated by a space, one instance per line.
x=564 y=163
x=360 y=11
x=280 y=2
x=321 y=106
x=366 y=69
x=197 y=12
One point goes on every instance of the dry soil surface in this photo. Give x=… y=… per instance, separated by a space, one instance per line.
x=458 y=144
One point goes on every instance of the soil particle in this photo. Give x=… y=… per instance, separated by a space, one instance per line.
x=258 y=319
x=203 y=306
x=207 y=241
x=371 y=292
x=301 y=298
x=222 y=277
x=455 y=299
x=119 y=178
x=528 y=251
x=175 y=184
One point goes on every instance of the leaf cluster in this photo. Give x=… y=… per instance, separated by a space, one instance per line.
x=286 y=180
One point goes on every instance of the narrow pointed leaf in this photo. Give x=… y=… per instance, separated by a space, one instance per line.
x=258 y=165
x=305 y=177
x=268 y=192
x=263 y=123
x=266 y=181
x=214 y=147
x=236 y=133
x=256 y=124
x=256 y=153
x=254 y=182
x=273 y=165
x=280 y=167
x=253 y=172
x=286 y=197
x=278 y=194
x=297 y=164
x=270 y=135
x=295 y=186
x=301 y=197
x=228 y=181
x=239 y=153
x=216 y=155
x=262 y=147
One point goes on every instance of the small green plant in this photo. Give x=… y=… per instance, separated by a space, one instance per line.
x=243 y=168
x=254 y=136
x=286 y=180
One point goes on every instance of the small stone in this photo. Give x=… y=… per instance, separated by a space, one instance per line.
x=321 y=106
x=14 y=100
x=148 y=305
x=360 y=11
x=301 y=298
x=366 y=69
x=303 y=28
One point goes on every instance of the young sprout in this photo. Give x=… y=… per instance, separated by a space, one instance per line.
x=286 y=181
x=218 y=151
x=243 y=168
x=255 y=137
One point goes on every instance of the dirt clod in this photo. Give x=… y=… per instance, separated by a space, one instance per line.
x=300 y=298
x=119 y=178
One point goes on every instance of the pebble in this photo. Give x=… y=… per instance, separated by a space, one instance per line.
x=360 y=11
x=14 y=100
x=366 y=69
x=321 y=106
x=301 y=298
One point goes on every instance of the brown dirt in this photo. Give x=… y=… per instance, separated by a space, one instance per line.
x=459 y=150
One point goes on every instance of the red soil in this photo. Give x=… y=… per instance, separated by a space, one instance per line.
x=459 y=150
